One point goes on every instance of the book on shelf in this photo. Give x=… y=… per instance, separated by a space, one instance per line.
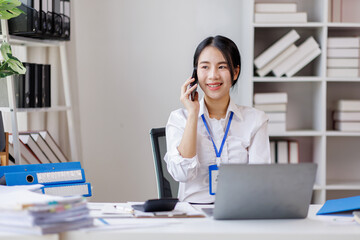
x=335 y=10
x=275 y=49
x=284 y=151
x=343 y=42
x=276 y=127
x=344 y=11
x=347 y=126
x=343 y=53
x=26 y=139
x=29 y=85
x=305 y=49
x=44 y=147
x=270 y=98
x=19 y=87
x=53 y=145
x=275 y=7
x=273 y=151
x=276 y=61
x=347 y=105
x=342 y=72
x=293 y=151
x=303 y=62
x=297 y=17
x=27 y=155
x=281 y=107
x=343 y=63
x=38 y=86
x=350 y=11
x=46 y=85
x=346 y=116
x=38 y=147
x=276 y=116
x=32 y=89
x=12 y=159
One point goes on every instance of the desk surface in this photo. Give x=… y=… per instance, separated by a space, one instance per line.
x=313 y=227
x=14 y=236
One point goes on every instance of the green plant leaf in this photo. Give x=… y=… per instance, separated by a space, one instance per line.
x=8 y=9
x=5 y=50
x=4 y=74
x=9 y=4
x=7 y=14
x=16 y=66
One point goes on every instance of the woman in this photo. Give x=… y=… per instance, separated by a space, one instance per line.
x=214 y=130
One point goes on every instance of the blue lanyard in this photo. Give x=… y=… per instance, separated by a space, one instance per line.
x=218 y=153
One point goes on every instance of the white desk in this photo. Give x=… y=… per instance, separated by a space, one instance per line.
x=312 y=228
x=14 y=236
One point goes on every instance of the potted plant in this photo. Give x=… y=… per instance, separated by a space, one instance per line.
x=9 y=65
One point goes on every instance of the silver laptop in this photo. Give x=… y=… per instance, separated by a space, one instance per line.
x=265 y=191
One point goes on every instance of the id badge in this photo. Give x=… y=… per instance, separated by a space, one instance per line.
x=213 y=175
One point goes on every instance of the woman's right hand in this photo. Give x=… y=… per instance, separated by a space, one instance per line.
x=192 y=107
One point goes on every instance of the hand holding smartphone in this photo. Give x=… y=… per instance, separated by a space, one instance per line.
x=194 y=75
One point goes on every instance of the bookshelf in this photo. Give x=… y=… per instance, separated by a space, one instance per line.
x=14 y=111
x=311 y=96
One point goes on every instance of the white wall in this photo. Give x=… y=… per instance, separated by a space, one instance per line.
x=131 y=58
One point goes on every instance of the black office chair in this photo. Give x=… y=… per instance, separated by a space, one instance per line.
x=167 y=186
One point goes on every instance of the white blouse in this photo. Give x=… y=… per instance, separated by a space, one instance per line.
x=247 y=142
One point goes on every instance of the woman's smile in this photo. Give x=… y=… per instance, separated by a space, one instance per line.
x=214 y=86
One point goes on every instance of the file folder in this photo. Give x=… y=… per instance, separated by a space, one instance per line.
x=341 y=205
x=45 y=178
x=40 y=167
x=83 y=189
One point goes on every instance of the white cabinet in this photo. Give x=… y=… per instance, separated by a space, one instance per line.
x=311 y=96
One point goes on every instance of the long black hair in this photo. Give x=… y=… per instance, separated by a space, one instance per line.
x=228 y=49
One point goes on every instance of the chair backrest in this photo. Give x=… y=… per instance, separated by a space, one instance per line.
x=167 y=186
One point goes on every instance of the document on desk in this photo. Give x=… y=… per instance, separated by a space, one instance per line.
x=110 y=210
x=124 y=210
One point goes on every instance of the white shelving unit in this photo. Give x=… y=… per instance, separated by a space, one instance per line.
x=311 y=97
x=29 y=42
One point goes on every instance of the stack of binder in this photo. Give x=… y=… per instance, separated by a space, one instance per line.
x=60 y=179
x=44 y=19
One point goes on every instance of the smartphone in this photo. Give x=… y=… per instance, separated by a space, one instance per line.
x=194 y=75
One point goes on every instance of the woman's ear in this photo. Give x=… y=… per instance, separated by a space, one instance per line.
x=236 y=72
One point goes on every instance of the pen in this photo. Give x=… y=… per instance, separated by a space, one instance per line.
x=103 y=221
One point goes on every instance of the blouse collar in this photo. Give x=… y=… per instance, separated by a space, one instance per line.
x=231 y=108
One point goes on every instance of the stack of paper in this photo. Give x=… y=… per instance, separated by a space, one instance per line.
x=343 y=58
x=23 y=211
x=285 y=58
